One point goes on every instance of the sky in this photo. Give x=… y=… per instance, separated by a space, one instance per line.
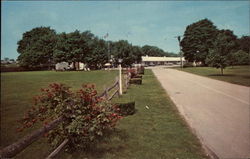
x=154 y=23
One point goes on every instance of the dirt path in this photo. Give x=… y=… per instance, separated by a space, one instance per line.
x=219 y=112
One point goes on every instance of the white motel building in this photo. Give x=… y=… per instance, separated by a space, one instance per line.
x=153 y=61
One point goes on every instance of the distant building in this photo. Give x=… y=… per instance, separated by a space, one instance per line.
x=153 y=61
x=67 y=66
x=62 y=66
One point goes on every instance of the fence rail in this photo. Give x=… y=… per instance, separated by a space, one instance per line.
x=58 y=149
x=107 y=90
x=15 y=148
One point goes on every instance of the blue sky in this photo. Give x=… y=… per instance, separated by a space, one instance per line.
x=140 y=22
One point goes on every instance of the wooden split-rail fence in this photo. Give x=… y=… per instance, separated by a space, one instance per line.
x=15 y=148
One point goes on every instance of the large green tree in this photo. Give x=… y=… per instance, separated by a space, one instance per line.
x=198 y=39
x=36 y=47
x=98 y=54
x=224 y=45
x=244 y=43
x=240 y=57
x=123 y=50
x=73 y=47
x=137 y=52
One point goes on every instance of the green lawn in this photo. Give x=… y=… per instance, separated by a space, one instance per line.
x=237 y=75
x=157 y=132
x=18 y=88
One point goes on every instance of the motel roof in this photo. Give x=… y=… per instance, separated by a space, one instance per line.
x=152 y=58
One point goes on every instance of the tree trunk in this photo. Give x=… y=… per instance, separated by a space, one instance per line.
x=15 y=148
x=221 y=69
x=74 y=67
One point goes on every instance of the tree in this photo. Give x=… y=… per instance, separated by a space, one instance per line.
x=244 y=43
x=73 y=47
x=98 y=55
x=6 y=59
x=152 y=51
x=123 y=50
x=36 y=47
x=224 y=44
x=198 y=39
x=241 y=57
x=137 y=52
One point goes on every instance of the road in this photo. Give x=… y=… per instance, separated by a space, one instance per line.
x=218 y=112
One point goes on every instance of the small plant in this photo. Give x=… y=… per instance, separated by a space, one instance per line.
x=132 y=72
x=141 y=70
x=135 y=81
x=126 y=108
x=86 y=116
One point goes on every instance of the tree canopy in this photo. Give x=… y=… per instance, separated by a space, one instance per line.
x=73 y=47
x=244 y=43
x=36 y=47
x=224 y=45
x=123 y=50
x=203 y=42
x=42 y=46
x=198 y=39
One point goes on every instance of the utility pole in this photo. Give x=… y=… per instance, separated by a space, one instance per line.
x=106 y=37
x=179 y=40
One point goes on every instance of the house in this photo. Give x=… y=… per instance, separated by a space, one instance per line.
x=62 y=66
x=153 y=61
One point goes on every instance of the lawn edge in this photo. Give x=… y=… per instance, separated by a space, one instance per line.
x=206 y=150
x=211 y=78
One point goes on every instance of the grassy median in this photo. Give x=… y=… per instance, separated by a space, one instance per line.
x=237 y=74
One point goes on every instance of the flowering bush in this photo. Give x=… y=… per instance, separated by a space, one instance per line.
x=86 y=116
x=132 y=72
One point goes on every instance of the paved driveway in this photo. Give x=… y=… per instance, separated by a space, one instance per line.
x=217 y=111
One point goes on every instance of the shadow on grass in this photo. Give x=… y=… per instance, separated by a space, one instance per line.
x=110 y=143
x=247 y=76
x=230 y=75
x=225 y=75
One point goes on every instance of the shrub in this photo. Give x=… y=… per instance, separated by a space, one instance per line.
x=86 y=116
x=135 y=81
x=126 y=108
x=132 y=72
x=141 y=70
x=189 y=64
x=138 y=76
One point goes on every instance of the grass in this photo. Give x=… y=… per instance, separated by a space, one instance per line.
x=157 y=132
x=237 y=75
x=17 y=90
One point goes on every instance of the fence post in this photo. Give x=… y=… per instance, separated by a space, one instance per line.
x=126 y=80
x=129 y=77
x=120 y=79
x=105 y=92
